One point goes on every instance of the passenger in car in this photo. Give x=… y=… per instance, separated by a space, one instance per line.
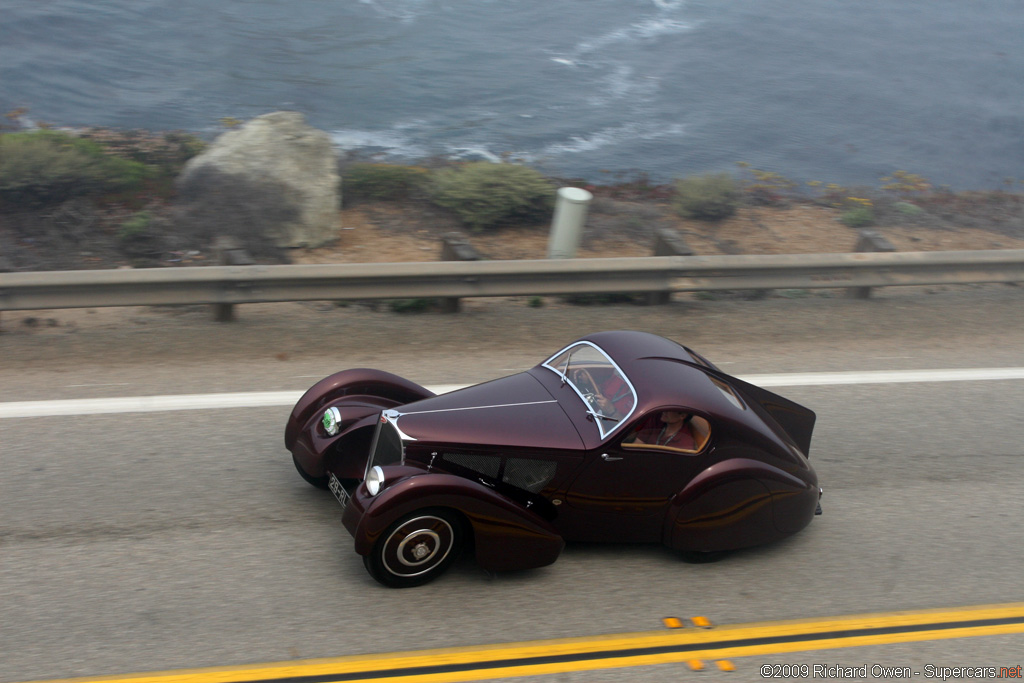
x=675 y=432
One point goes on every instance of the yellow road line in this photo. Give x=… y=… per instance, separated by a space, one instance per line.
x=564 y=655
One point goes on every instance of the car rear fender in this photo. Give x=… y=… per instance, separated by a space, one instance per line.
x=506 y=535
x=727 y=506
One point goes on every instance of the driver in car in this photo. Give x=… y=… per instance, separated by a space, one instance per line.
x=613 y=396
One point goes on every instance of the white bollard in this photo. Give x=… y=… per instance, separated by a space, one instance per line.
x=567 y=225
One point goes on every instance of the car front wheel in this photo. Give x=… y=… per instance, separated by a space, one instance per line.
x=319 y=482
x=416 y=549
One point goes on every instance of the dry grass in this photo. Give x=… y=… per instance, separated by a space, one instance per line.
x=404 y=232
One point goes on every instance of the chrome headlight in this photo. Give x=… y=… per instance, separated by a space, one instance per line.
x=375 y=480
x=332 y=421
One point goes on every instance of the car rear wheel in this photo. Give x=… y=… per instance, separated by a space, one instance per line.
x=319 y=482
x=702 y=556
x=416 y=549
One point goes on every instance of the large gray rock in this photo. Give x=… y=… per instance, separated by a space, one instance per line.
x=276 y=174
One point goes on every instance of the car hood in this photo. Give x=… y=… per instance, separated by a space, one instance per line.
x=515 y=411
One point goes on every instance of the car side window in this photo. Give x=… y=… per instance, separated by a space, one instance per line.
x=670 y=430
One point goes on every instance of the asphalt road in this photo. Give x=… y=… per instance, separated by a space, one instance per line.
x=165 y=540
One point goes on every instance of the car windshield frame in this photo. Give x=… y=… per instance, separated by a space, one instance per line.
x=561 y=364
x=385 y=437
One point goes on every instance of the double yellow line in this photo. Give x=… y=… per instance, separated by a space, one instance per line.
x=545 y=657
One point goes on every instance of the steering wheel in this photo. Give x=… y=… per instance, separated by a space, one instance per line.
x=584 y=382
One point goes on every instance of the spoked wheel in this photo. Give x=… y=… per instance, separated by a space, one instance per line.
x=416 y=549
x=319 y=482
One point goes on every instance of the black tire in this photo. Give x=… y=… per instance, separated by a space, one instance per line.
x=319 y=482
x=702 y=556
x=416 y=549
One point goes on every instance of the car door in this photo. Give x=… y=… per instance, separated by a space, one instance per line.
x=622 y=490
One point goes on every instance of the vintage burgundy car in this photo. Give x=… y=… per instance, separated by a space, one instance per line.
x=620 y=436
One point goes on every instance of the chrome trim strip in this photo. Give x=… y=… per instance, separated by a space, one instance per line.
x=391 y=416
x=452 y=410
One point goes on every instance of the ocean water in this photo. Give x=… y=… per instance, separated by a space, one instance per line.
x=829 y=90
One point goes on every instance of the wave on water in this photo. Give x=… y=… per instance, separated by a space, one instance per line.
x=397 y=144
x=646 y=29
x=393 y=142
x=620 y=83
x=669 y=4
x=607 y=137
x=403 y=10
x=840 y=92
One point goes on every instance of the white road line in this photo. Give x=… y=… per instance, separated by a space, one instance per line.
x=264 y=399
x=804 y=379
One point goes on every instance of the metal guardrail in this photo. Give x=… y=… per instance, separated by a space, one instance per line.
x=228 y=285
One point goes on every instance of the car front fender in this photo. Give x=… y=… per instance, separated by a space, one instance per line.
x=507 y=535
x=358 y=383
x=359 y=394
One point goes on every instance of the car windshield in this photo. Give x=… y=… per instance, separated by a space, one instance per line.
x=606 y=392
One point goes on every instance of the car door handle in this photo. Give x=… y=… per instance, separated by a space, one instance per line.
x=609 y=458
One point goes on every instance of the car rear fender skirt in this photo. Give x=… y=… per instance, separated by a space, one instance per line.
x=506 y=535
x=794 y=496
x=356 y=386
x=725 y=507
x=793 y=507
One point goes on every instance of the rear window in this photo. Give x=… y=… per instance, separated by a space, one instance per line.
x=729 y=393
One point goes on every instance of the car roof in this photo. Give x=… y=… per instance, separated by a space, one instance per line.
x=664 y=372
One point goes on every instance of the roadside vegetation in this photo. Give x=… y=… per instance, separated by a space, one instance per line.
x=486 y=195
x=101 y=198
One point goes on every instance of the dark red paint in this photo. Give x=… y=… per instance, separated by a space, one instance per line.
x=519 y=464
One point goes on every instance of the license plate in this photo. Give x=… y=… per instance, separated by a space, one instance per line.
x=337 y=489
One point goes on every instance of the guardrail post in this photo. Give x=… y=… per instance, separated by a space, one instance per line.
x=230 y=253
x=455 y=247
x=5 y=267
x=667 y=243
x=567 y=224
x=868 y=241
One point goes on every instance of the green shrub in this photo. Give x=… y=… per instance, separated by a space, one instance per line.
x=46 y=167
x=167 y=153
x=384 y=181
x=706 y=197
x=486 y=195
x=858 y=217
x=908 y=209
x=136 y=225
x=766 y=187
